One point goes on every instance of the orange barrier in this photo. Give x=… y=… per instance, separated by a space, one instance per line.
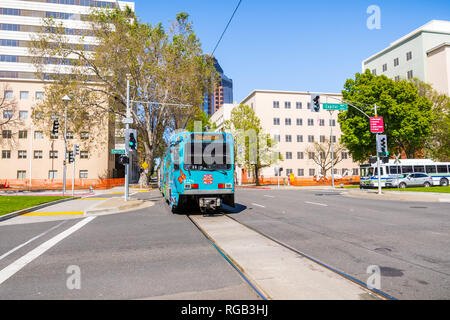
x=305 y=182
x=46 y=184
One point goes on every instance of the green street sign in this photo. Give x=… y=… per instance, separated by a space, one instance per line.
x=335 y=107
x=117 y=151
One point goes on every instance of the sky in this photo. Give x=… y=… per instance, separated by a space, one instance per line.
x=294 y=45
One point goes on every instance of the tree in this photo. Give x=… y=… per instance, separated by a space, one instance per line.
x=407 y=116
x=438 y=143
x=200 y=117
x=168 y=74
x=254 y=148
x=9 y=114
x=323 y=156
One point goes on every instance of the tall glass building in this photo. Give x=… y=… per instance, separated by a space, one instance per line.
x=223 y=93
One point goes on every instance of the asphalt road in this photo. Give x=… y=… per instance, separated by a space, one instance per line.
x=409 y=242
x=155 y=254
x=148 y=254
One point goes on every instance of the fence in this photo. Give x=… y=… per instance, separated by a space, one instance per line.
x=305 y=182
x=46 y=184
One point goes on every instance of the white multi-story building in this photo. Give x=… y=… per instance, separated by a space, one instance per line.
x=423 y=54
x=288 y=118
x=34 y=155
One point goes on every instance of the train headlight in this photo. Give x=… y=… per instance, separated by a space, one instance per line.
x=187 y=187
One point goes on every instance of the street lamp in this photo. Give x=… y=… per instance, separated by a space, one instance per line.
x=66 y=99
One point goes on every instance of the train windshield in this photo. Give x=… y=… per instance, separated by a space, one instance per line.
x=204 y=156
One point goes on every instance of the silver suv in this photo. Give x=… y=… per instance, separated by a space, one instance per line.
x=410 y=180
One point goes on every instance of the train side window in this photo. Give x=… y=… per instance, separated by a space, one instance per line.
x=431 y=169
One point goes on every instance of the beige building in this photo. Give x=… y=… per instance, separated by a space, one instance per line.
x=288 y=118
x=28 y=152
x=422 y=54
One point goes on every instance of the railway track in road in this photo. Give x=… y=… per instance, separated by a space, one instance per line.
x=378 y=293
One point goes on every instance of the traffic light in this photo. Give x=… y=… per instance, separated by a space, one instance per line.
x=71 y=157
x=315 y=102
x=76 y=150
x=131 y=140
x=385 y=159
x=55 y=127
x=373 y=160
x=124 y=159
x=382 y=145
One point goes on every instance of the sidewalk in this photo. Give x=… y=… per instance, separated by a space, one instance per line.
x=400 y=195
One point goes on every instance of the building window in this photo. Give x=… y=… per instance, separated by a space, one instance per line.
x=53 y=174
x=288 y=138
x=289 y=172
x=310 y=122
x=410 y=74
x=287 y=105
x=69 y=135
x=6 y=134
x=299 y=138
x=309 y=105
x=301 y=172
x=311 y=155
x=356 y=172
x=299 y=122
x=298 y=105
x=21 y=174
x=38 y=135
x=300 y=156
x=322 y=122
x=397 y=78
x=344 y=155
x=396 y=62
x=9 y=27
x=38 y=115
x=83 y=174
x=7 y=58
x=53 y=154
x=54 y=136
x=322 y=139
x=332 y=122
x=9 y=43
x=9 y=94
x=84 y=155
x=333 y=139
x=22 y=154
x=7 y=114
x=6 y=154
x=24 y=95
x=277 y=137
x=322 y=155
x=10 y=12
x=23 y=115
x=287 y=121
x=312 y=172
x=276 y=104
x=276 y=121
x=385 y=67
x=374 y=72
x=408 y=56
x=38 y=154
x=40 y=95
x=310 y=138
x=288 y=155
x=23 y=134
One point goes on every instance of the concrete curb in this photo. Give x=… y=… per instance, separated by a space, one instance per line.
x=28 y=210
x=126 y=207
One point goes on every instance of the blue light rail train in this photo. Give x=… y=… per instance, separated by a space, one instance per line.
x=198 y=169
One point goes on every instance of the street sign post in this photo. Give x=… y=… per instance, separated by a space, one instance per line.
x=376 y=125
x=117 y=151
x=335 y=106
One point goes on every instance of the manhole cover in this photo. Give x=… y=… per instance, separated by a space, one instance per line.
x=383 y=250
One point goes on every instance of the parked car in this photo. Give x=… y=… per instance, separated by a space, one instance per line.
x=410 y=180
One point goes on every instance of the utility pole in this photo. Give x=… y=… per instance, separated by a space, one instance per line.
x=332 y=149
x=66 y=100
x=128 y=154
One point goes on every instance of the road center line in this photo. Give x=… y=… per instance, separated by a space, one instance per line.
x=317 y=204
x=31 y=240
x=258 y=205
x=269 y=196
x=20 y=263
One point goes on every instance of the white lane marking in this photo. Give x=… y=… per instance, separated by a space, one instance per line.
x=20 y=263
x=269 y=196
x=317 y=204
x=258 y=205
x=31 y=240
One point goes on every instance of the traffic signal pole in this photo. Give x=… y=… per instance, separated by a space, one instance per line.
x=378 y=160
x=127 y=165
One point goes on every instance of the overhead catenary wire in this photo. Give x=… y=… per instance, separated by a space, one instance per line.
x=226 y=28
